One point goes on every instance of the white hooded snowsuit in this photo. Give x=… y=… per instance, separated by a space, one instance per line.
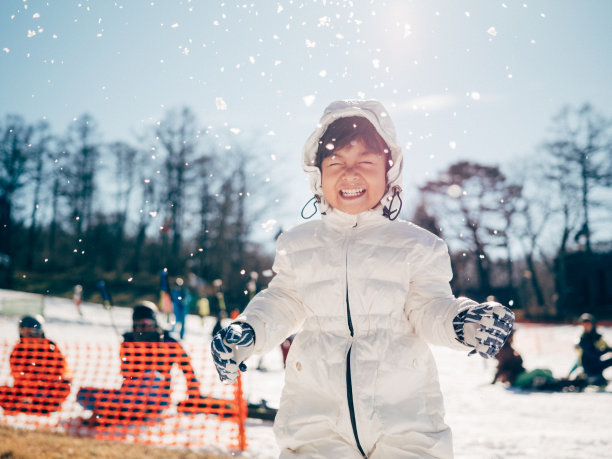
x=364 y=294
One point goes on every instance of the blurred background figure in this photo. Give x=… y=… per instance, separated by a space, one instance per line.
x=77 y=298
x=147 y=355
x=510 y=371
x=594 y=354
x=218 y=306
x=180 y=302
x=285 y=346
x=165 y=296
x=203 y=308
x=41 y=377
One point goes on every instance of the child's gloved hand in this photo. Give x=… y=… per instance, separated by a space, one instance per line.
x=230 y=348
x=484 y=327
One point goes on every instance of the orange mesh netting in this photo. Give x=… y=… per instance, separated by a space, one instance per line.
x=161 y=393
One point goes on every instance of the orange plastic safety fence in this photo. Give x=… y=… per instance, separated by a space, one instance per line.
x=160 y=393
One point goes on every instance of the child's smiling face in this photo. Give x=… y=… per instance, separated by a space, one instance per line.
x=354 y=177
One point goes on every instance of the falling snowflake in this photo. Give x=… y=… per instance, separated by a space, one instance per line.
x=454 y=191
x=309 y=99
x=407 y=30
x=269 y=225
x=491 y=31
x=220 y=103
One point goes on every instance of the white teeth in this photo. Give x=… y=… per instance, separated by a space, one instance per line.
x=350 y=193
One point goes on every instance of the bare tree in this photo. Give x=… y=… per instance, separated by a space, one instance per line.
x=580 y=156
x=178 y=137
x=126 y=159
x=82 y=151
x=580 y=161
x=206 y=201
x=41 y=158
x=470 y=201
x=15 y=153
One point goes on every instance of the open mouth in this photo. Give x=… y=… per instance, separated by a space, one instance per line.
x=352 y=193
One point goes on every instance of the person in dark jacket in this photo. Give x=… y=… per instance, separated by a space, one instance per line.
x=594 y=354
x=41 y=377
x=147 y=355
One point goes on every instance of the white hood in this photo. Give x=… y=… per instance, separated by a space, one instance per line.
x=374 y=112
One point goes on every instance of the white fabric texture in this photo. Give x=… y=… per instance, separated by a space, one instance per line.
x=395 y=278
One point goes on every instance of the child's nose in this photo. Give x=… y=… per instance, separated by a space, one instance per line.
x=349 y=174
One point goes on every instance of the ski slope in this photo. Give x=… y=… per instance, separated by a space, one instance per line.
x=488 y=421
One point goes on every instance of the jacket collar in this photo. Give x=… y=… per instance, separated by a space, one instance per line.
x=339 y=219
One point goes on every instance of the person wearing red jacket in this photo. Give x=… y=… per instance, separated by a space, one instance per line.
x=41 y=377
x=147 y=355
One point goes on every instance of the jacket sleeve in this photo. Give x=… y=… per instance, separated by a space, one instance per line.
x=431 y=305
x=276 y=312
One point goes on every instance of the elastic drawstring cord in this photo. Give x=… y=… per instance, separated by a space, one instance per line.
x=387 y=211
x=314 y=204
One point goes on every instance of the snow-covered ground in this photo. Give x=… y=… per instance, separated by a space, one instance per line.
x=488 y=421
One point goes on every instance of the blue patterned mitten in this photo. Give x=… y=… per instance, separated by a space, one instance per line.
x=230 y=348
x=484 y=327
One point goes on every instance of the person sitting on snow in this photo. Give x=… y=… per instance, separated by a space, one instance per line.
x=147 y=355
x=41 y=377
x=592 y=350
x=364 y=293
x=510 y=370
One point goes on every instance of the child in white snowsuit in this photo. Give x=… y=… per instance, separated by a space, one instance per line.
x=364 y=294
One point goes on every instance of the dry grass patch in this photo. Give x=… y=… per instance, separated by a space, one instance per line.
x=36 y=444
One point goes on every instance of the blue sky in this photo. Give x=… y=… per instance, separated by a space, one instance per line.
x=462 y=79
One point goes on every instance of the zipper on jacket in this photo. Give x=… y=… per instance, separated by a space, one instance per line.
x=349 y=384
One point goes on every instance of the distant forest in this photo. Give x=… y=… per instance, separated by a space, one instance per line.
x=75 y=209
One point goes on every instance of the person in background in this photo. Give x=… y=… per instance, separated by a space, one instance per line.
x=285 y=346
x=180 y=301
x=220 y=311
x=77 y=298
x=594 y=354
x=147 y=355
x=41 y=377
x=203 y=308
x=510 y=371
